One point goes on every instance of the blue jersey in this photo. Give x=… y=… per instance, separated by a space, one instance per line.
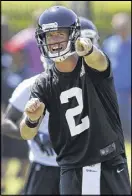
x=119 y=53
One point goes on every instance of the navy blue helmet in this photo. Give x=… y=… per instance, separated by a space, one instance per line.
x=88 y=29
x=53 y=19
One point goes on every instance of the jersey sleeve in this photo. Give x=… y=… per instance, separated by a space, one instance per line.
x=99 y=75
x=20 y=96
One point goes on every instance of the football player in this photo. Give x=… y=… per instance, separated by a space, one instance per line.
x=79 y=94
x=44 y=172
x=41 y=155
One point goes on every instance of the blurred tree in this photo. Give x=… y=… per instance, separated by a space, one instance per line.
x=58 y=3
x=19 y=12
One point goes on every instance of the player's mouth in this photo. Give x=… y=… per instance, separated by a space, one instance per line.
x=57 y=48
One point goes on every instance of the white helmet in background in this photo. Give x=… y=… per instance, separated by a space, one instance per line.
x=88 y=29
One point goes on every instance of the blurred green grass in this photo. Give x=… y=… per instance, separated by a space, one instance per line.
x=129 y=158
x=13 y=183
x=20 y=12
x=108 y=6
x=111 y=6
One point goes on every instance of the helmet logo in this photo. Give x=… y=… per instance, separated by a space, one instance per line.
x=50 y=26
x=88 y=33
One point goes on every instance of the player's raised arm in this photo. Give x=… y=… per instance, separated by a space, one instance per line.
x=32 y=118
x=93 y=56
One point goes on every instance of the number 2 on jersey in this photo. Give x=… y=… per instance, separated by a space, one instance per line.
x=70 y=113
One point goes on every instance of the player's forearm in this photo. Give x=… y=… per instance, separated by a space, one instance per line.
x=26 y=132
x=96 y=60
x=10 y=129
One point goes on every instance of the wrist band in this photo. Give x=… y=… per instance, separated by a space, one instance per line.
x=30 y=123
x=91 y=50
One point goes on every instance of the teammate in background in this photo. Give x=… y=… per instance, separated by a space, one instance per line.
x=44 y=173
x=41 y=155
x=88 y=29
x=25 y=41
x=118 y=48
x=84 y=122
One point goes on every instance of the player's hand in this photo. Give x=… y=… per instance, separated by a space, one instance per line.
x=83 y=46
x=34 y=109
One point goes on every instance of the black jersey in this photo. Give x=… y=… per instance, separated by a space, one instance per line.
x=84 y=123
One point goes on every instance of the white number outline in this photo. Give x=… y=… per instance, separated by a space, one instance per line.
x=70 y=113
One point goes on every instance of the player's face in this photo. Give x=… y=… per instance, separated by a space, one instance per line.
x=57 y=40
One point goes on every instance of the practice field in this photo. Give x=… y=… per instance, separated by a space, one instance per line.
x=128 y=152
x=13 y=181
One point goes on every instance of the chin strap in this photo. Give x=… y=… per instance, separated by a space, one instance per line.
x=62 y=58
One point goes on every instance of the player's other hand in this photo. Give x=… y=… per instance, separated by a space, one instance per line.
x=83 y=46
x=34 y=109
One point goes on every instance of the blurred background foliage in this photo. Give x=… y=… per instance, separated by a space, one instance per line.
x=20 y=12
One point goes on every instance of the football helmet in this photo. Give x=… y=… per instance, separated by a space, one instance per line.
x=88 y=29
x=53 y=19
